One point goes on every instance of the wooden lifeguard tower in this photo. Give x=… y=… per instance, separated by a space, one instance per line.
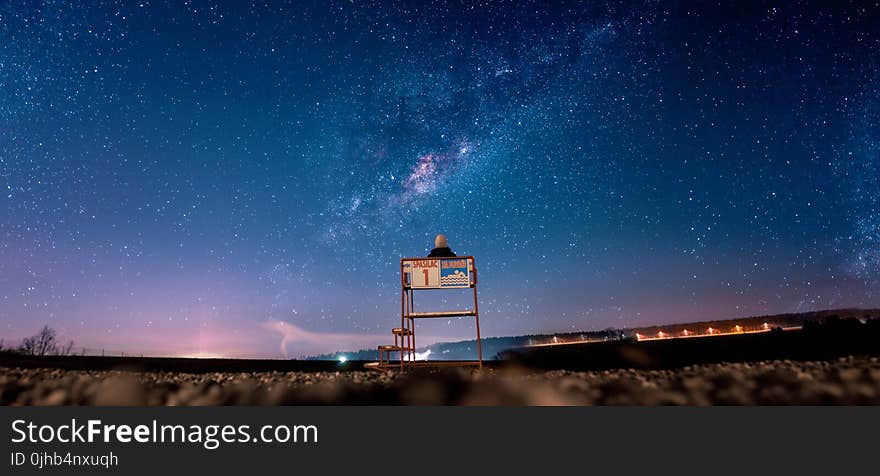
x=430 y=274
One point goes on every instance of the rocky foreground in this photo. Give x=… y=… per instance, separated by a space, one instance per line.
x=849 y=380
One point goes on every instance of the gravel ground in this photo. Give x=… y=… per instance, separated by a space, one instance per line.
x=850 y=380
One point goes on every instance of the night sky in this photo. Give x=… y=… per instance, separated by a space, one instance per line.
x=241 y=179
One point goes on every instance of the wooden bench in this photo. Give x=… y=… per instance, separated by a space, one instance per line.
x=385 y=353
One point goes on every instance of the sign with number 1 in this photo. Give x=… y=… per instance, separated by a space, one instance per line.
x=442 y=273
x=425 y=273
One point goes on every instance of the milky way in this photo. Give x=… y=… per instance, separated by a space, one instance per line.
x=859 y=171
x=213 y=178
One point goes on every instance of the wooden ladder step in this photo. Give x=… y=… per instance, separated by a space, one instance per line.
x=464 y=313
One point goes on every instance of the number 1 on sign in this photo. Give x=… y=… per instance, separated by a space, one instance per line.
x=424 y=274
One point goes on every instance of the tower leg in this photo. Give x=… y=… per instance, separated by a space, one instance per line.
x=412 y=324
x=403 y=312
x=477 y=320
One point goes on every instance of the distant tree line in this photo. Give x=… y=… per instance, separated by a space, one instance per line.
x=44 y=342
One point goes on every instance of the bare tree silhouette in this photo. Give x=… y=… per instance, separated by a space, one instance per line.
x=45 y=342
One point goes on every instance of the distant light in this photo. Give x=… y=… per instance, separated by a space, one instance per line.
x=343 y=359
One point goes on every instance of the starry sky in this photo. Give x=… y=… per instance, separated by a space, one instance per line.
x=242 y=178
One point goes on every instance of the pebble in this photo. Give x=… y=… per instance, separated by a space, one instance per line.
x=847 y=381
